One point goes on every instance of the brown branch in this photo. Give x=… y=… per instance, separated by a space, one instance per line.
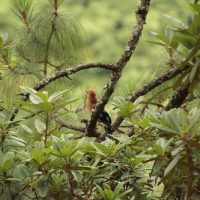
x=190 y=172
x=55 y=66
x=151 y=103
x=69 y=71
x=76 y=128
x=157 y=82
x=63 y=73
x=53 y=25
x=141 y=14
x=70 y=126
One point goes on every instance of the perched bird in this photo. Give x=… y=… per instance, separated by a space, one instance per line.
x=91 y=100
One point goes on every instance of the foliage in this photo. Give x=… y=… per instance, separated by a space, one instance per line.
x=153 y=155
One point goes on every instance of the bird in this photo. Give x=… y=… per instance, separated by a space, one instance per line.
x=91 y=100
x=90 y=104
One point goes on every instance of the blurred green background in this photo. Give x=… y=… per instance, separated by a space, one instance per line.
x=107 y=25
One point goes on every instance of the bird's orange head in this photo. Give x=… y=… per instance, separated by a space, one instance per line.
x=91 y=99
x=91 y=93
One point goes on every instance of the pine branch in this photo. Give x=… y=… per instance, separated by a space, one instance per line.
x=141 y=14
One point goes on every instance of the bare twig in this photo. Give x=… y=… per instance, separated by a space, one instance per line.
x=53 y=25
x=70 y=126
x=141 y=14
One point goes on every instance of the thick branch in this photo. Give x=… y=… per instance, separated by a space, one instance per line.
x=67 y=72
x=141 y=14
x=157 y=82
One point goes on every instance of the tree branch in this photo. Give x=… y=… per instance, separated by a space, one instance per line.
x=178 y=98
x=53 y=25
x=70 y=126
x=141 y=14
x=158 y=81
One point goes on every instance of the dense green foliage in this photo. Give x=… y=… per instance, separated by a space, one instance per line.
x=153 y=155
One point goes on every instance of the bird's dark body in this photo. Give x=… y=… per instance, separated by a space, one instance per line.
x=105 y=118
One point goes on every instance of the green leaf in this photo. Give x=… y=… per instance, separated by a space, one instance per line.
x=21 y=172
x=118 y=188
x=175 y=21
x=14 y=179
x=123 y=194
x=17 y=140
x=45 y=106
x=177 y=150
x=159 y=150
x=195 y=7
x=186 y=40
x=28 y=89
x=62 y=105
x=57 y=95
x=172 y=164
x=42 y=95
x=8 y=156
x=109 y=195
x=43 y=189
x=126 y=109
x=172 y=121
x=26 y=128
x=35 y=99
x=40 y=126
x=39 y=156
x=194 y=28
x=100 y=149
x=163 y=128
x=156 y=43
x=161 y=37
x=77 y=176
x=24 y=103
x=194 y=70
x=7 y=160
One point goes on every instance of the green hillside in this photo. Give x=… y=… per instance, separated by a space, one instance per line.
x=107 y=25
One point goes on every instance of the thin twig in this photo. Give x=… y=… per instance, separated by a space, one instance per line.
x=53 y=25
x=70 y=126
